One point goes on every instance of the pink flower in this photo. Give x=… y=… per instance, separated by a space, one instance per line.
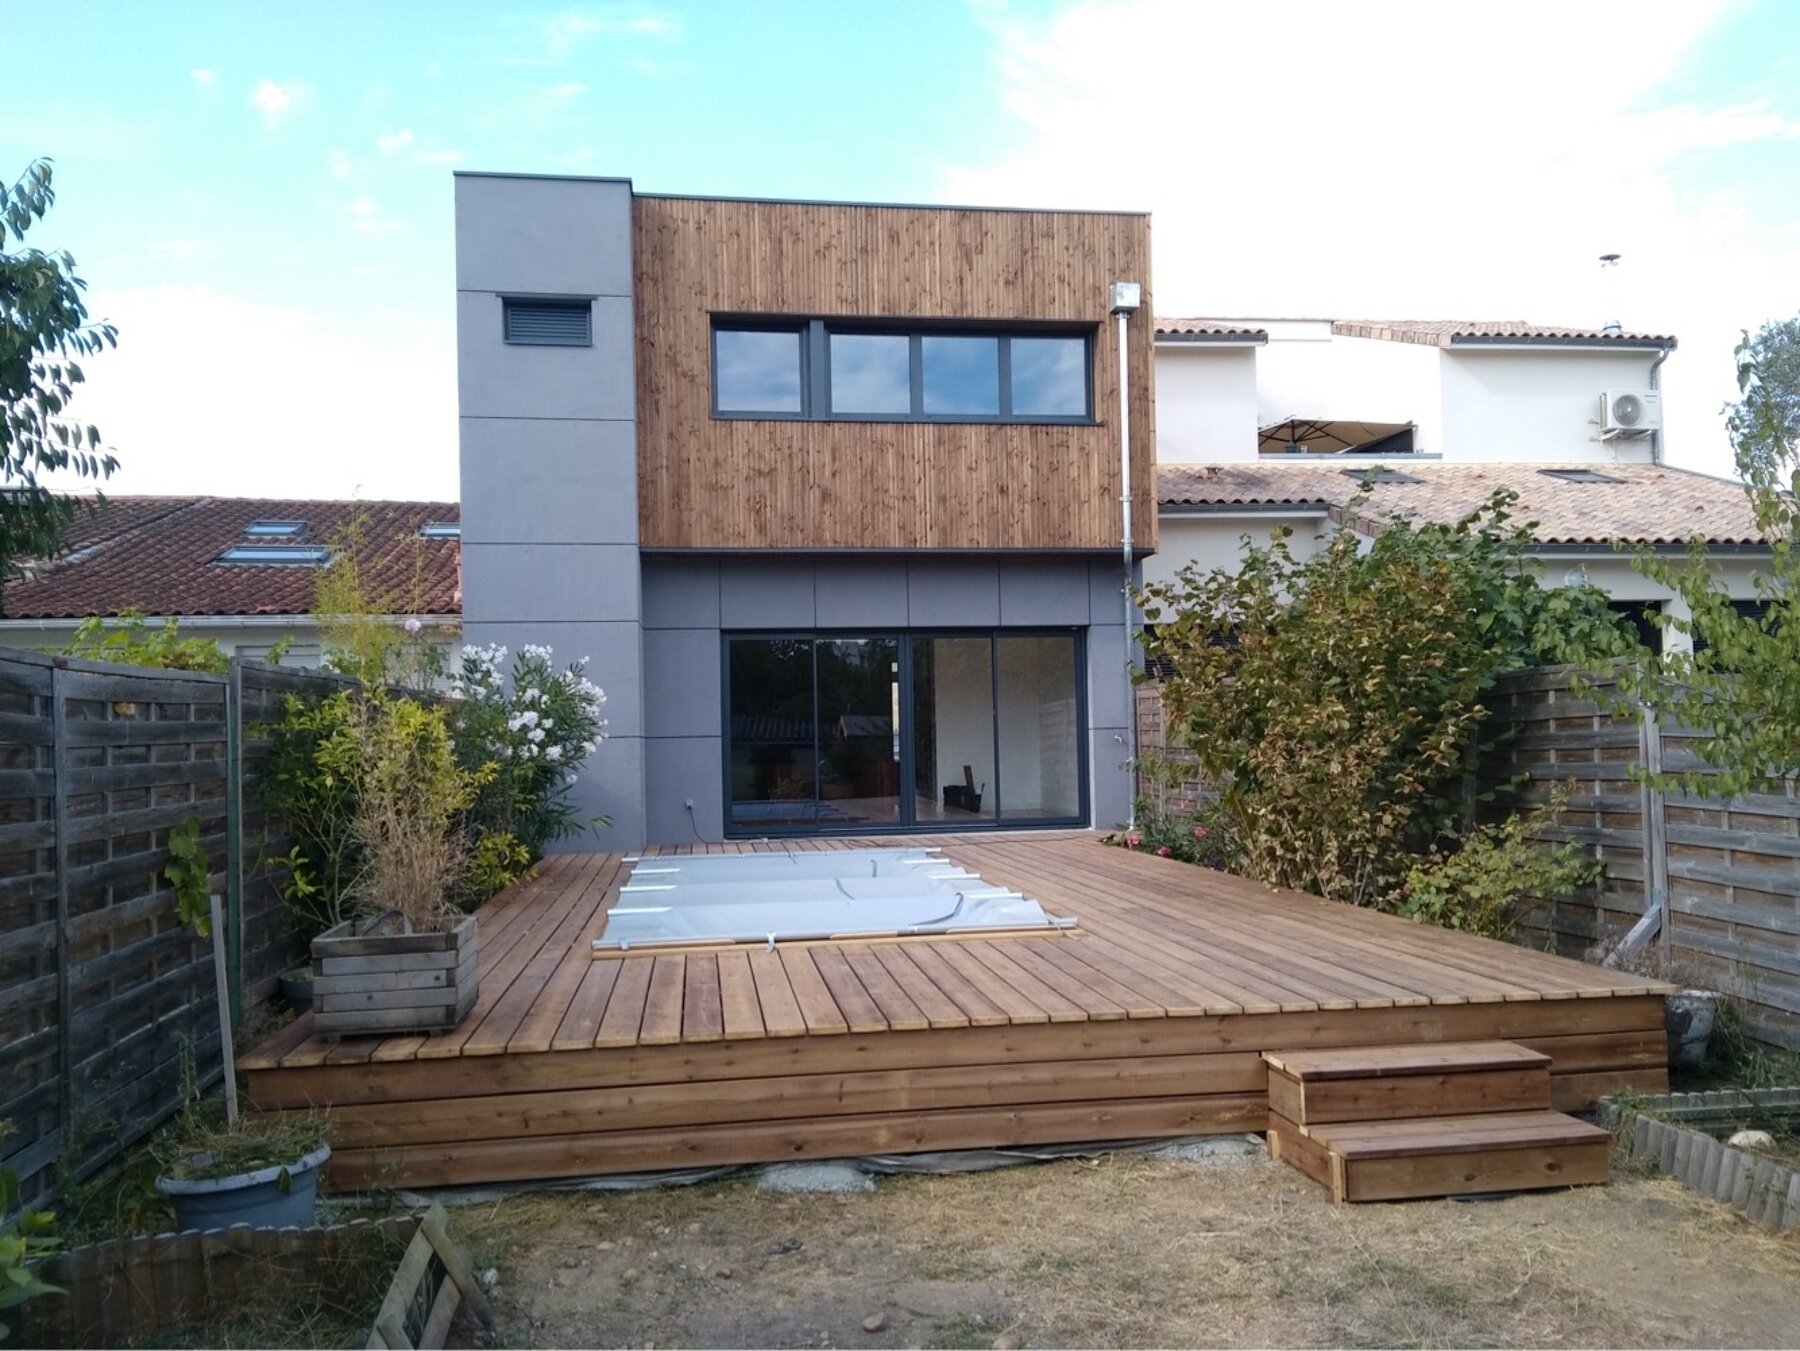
x=1199 y=832
x=1163 y=851
x=1133 y=841
x=413 y=626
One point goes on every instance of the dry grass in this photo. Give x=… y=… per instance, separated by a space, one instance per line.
x=1132 y=1252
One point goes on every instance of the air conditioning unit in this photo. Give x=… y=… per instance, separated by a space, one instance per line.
x=1629 y=412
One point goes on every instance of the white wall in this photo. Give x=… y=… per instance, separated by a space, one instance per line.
x=1306 y=372
x=1537 y=405
x=1205 y=404
x=1216 y=541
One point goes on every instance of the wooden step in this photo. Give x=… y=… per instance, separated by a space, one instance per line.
x=1444 y=1156
x=1388 y=1083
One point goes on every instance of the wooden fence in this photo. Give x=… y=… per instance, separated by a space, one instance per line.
x=104 y=994
x=139 y=1290
x=1725 y=874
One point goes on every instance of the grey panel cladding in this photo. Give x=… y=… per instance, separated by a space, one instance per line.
x=549 y=455
x=549 y=481
x=543 y=236
x=690 y=599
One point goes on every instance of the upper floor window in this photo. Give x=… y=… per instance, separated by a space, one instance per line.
x=819 y=370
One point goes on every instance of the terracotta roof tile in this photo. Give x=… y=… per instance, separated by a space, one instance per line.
x=1209 y=330
x=157 y=555
x=1646 y=504
x=1475 y=332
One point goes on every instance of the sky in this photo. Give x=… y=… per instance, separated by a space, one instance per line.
x=259 y=196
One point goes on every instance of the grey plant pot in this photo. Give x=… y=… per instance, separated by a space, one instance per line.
x=258 y=1199
x=1690 y=1015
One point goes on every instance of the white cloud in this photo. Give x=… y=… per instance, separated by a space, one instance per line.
x=366 y=218
x=277 y=99
x=1419 y=160
x=389 y=424
x=338 y=162
x=203 y=75
x=557 y=37
x=439 y=157
x=395 y=140
x=563 y=93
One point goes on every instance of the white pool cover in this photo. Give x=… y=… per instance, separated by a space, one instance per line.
x=771 y=898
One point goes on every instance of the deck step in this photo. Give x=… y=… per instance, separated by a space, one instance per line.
x=1444 y=1156
x=1387 y=1083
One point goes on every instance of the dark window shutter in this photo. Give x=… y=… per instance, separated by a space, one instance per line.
x=550 y=323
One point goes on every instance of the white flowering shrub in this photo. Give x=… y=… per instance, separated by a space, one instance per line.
x=537 y=724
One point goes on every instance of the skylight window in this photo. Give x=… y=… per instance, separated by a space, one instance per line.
x=276 y=555
x=440 y=530
x=1580 y=476
x=275 y=529
x=1379 y=476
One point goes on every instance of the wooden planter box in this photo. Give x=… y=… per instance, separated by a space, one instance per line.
x=380 y=984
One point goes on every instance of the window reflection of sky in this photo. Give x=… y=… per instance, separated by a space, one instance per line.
x=962 y=375
x=871 y=373
x=1049 y=377
x=758 y=372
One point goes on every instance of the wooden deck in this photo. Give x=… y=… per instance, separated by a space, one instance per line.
x=1148 y=1021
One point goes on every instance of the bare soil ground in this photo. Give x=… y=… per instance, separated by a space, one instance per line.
x=1132 y=1252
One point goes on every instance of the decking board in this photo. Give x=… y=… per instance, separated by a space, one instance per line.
x=1150 y=1018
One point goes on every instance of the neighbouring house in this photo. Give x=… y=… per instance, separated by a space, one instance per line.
x=241 y=571
x=1274 y=422
x=829 y=493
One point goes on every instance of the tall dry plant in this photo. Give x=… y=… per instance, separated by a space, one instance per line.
x=410 y=795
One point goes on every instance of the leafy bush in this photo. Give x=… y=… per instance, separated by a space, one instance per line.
x=1195 y=835
x=355 y=616
x=27 y=1236
x=189 y=872
x=515 y=746
x=1496 y=875
x=537 y=728
x=132 y=642
x=316 y=806
x=1334 y=703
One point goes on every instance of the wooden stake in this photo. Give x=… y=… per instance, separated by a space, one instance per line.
x=224 y=988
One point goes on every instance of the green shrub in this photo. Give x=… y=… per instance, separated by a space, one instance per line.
x=1496 y=876
x=1193 y=834
x=130 y=641
x=1334 y=703
x=27 y=1236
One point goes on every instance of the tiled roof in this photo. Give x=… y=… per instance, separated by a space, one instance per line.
x=1209 y=330
x=1646 y=504
x=1476 y=332
x=156 y=554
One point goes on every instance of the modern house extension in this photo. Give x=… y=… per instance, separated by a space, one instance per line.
x=830 y=494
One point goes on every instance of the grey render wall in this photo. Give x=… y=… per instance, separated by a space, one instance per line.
x=549 y=456
x=689 y=599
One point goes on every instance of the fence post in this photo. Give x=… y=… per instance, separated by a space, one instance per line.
x=1656 y=825
x=65 y=1006
x=234 y=834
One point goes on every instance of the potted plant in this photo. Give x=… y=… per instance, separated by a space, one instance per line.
x=406 y=961
x=262 y=1171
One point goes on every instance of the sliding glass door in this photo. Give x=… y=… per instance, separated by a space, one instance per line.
x=898 y=731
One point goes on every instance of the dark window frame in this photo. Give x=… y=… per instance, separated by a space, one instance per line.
x=815 y=368
x=583 y=305
x=908 y=823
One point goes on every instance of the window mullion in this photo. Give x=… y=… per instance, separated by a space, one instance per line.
x=915 y=358
x=1006 y=377
x=816 y=398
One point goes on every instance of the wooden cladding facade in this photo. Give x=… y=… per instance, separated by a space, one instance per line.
x=740 y=483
